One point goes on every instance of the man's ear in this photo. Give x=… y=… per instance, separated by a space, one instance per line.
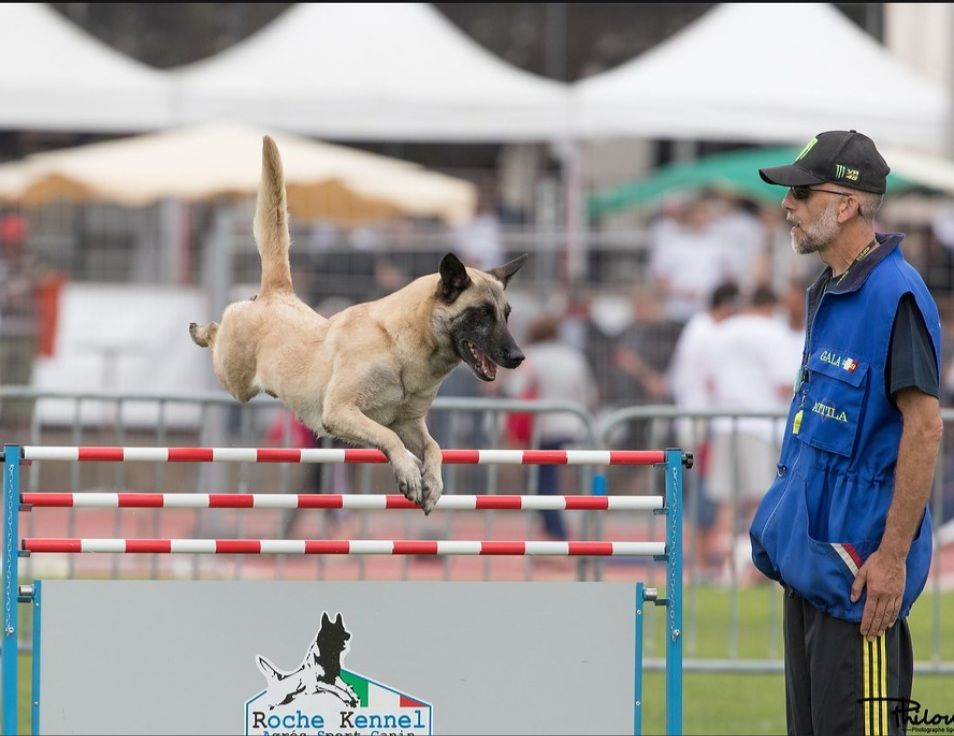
x=505 y=272
x=454 y=278
x=857 y=210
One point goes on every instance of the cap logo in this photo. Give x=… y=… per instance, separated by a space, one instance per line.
x=808 y=146
x=843 y=172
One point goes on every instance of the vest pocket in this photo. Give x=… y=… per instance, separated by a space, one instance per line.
x=834 y=401
x=823 y=571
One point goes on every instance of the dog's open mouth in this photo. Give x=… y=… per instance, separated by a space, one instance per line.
x=482 y=365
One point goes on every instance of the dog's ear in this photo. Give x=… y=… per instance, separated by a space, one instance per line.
x=454 y=278
x=325 y=619
x=505 y=272
x=338 y=620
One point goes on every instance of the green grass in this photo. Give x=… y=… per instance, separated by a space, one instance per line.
x=744 y=704
x=754 y=703
x=722 y=703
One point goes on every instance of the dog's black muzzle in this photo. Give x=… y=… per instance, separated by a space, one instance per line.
x=511 y=357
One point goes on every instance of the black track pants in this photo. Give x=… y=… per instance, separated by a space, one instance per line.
x=837 y=683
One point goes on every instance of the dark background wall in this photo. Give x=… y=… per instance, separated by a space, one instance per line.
x=564 y=41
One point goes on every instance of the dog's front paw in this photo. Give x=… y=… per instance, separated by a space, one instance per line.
x=409 y=481
x=432 y=487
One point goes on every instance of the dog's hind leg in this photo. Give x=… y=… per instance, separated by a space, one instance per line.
x=204 y=337
x=418 y=440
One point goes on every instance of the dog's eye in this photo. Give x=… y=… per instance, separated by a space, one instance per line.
x=487 y=311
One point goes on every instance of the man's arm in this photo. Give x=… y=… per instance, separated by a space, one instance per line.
x=652 y=381
x=883 y=573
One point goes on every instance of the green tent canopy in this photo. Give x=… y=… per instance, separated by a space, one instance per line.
x=735 y=172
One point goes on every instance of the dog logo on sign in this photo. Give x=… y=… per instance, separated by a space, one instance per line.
x=319 y=696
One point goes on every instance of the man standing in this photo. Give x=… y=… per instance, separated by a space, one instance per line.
x=845 y=526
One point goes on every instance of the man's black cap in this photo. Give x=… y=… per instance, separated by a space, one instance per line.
x=844 y=157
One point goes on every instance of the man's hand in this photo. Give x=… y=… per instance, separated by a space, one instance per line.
x=883 y=574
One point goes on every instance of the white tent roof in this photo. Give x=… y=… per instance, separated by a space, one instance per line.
x=369 y=71
x=213 y=159
x=53 y=76
x=764 y=72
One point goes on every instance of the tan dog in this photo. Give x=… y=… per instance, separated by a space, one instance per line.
x=368 y=374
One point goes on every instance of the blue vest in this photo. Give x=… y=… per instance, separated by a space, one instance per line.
x=826 y=511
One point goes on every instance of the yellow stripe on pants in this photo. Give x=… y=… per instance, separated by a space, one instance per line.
x=874 y=672
x=866 y=686
x=883 y=662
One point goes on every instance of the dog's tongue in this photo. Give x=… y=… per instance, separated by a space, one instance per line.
x=488 y=367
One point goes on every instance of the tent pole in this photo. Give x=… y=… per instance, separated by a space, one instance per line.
x=574 y=217
x=171 y=242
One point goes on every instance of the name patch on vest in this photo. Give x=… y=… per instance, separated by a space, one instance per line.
x=830 y=412
x=841 y=361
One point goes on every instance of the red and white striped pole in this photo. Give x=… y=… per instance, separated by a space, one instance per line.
x=338 y=501
x=343 y=547
x=349 y=456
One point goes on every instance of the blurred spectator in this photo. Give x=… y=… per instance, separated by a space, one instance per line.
x=746 y=241
x=930 y=249
x=689 y=385
x=641 y=357
x=692 y=391
x=479 y=242
x=645 y=348
x=17 y=273
x=360 y=263
x=19 y=278
x=554 y=371
x=608 y=316
x=935 y=261
x=751 y=369
x=460 y=429
x=575 y=323
x=688 y=257
x=794 y=317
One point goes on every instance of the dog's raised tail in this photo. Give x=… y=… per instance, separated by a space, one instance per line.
x=271 y=223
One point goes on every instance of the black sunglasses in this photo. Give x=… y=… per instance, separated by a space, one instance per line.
x=803 y=193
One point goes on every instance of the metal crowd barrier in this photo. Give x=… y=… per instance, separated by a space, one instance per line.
x=464 y=422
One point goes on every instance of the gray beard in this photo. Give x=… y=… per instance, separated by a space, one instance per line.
x=822 y=232
x=805 y=246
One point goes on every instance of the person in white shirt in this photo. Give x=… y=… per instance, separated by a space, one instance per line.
x=479 y=242
x=752 y=368
x=692 y=390
x=557 y=371
x=688 y=258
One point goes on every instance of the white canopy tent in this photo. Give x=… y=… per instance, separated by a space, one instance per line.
x=366 y=71
x=53 y=76
x=777 y=72
x=214 y=159
x=370 y=71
